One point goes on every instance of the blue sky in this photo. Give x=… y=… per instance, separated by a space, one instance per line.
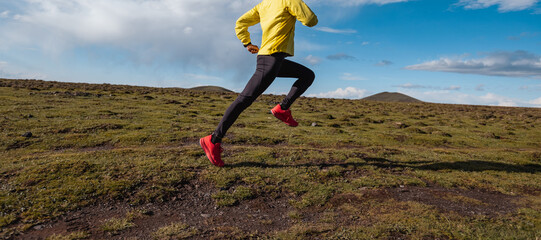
x=485 y=52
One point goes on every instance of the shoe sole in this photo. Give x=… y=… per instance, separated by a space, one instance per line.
x=207 y=152
x=273 y=114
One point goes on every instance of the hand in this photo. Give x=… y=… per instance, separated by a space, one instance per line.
x=252 y=48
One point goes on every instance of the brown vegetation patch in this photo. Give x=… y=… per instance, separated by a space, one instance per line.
x=18 y=144
x=463 y=202
x=102 y=127
x=193 y=206
x=347 y=207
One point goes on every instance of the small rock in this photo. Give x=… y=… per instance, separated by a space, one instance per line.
x=148 y=212
x=400 y=125
x=314 y=124
x=27 y=135
x=38 y=227
x=205 y=215
x=172 y=102
x=444 y=134
x=491 y=135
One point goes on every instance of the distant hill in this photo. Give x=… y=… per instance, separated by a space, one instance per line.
x=392 y=97
x=211 y=88
x=32 y=83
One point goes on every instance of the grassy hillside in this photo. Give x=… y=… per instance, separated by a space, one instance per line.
x=106 y=161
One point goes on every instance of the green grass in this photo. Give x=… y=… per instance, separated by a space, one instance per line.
x=115 y=225
x=71 y=236
x=224 y=198
x=175 y=231
x=100 y=143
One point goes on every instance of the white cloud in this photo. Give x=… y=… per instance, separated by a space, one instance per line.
x=341 y=56
x=365 y=43
x=313 y=60
x=494 y=99
x=188 y=30
x=348 y=93
x=480 y=87
x=189 y=33
x=307 y=46
x=192 y=32
x=536 y=102
x=507 y=64
x=453 y=97
x=453 y=88
x=417 y=86
x=4 y=14
x=22 y=75
x=351 y=77
x=531 y=87
x=523 y=35
x=332 y=30
x=199 y=77
x=8 y=71
x=503 y=5
x=384 y=63
x=410 y=86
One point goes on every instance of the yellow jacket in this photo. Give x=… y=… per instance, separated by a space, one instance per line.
x=277 y=18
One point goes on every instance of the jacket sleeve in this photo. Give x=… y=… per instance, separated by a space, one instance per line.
x=302 y=12
x=250 y=18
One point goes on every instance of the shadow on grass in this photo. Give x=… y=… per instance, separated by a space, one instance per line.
x=479 y=166
x=266 y=165
x=468 y=166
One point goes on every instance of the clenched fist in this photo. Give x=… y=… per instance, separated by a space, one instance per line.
x=253 y=49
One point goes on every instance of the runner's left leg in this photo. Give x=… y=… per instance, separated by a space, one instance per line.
x=268 y=67
x=305 y=77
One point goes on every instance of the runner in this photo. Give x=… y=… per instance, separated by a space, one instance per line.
x=277 y=19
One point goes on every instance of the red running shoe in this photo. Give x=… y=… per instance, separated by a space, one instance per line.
x=212 y=150
x=284 y=116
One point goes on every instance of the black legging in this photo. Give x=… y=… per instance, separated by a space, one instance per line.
x=268 y=68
